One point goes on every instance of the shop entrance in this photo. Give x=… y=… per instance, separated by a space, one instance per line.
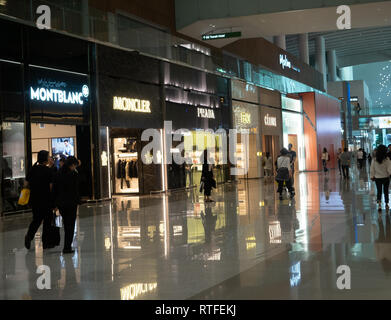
x=271 y=144
x=188 y=175
x=292 y=139
x=63 y=141
x=125 y=155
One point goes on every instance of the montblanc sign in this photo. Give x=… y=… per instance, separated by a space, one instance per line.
x=60 y=95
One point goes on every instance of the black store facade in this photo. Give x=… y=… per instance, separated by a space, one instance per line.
x=129 y=94
x=45 y=103
x=92 y=101
x=196 y=101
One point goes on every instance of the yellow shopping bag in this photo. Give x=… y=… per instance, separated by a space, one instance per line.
x=24 y=197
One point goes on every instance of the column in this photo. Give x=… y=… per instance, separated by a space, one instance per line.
x=332 y=65
x=320 y=63
x=85 y=16
x=303 y=48
x=280 y=41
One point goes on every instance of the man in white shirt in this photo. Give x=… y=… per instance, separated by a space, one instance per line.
x=68 y=149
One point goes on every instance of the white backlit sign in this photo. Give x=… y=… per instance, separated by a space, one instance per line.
x=59 y=96
x=133 y=105
x=205 y=113
x=270 y=121
x=285 y=63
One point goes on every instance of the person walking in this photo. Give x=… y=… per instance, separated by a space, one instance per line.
x=67 y=198
x=207 y=178
x=284 y=173
x=268 y=166
x=293 y=156
x=325 y=158
x=40 y=182
x=339 y=152
x=380 y=173
x=345 y=157
x=360 y=158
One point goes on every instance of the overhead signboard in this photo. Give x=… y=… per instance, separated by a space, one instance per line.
x=225 y=35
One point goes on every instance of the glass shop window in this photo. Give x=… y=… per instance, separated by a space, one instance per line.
x=13 y=164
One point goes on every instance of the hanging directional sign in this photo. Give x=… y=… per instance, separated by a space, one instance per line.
x=216 y=36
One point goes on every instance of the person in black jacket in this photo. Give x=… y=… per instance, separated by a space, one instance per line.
x=67 y=198
x=39 y=180
x=207 y=177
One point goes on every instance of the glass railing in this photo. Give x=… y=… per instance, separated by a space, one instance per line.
x=70 y=17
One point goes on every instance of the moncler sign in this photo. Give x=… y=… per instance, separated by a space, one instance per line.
x=270 y=121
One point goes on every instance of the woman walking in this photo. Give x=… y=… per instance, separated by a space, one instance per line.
x=207 y=178
x=325 y=158
x=67 y=198
x=380 y=173
x=284 y=173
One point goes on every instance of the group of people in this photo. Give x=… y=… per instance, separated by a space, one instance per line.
x=285 y=166
x=51 y=190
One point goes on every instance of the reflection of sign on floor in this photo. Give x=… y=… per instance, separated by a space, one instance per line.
x=135 y=290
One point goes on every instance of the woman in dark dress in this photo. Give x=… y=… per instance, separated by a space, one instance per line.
x=207 y=177
x=67 y=198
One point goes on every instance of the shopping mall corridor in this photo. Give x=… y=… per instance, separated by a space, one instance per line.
x=246 y=245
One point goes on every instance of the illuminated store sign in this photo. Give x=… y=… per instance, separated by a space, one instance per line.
x=285 y=63
x=133 y=105
x=205 y=113
x=59 y=96
x=270 y=121
x=245 y=117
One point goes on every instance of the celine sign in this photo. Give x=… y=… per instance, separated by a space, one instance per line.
x=59 y=96
x=270 y=121
x=133 y=105
x=285 y=63
x=205 y=113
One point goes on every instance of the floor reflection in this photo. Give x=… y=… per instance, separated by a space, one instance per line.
x=246 y=245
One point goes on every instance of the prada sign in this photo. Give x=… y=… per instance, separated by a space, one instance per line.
x=132 y=105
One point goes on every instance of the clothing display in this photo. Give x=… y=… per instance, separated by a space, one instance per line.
x=126 y=165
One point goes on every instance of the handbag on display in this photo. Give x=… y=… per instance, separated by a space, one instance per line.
x=24 y=197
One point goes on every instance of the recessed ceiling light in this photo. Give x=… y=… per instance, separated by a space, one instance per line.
x=212 y=25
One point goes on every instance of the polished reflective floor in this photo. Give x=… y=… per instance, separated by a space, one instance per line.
x=246 y=245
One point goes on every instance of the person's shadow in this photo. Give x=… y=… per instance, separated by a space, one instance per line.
x=209 y=222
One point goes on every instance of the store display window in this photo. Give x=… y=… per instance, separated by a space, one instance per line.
x=126 y=165
x=13 y=164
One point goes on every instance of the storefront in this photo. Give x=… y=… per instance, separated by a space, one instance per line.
x=246 y=119
x=45 y=105
x=198 y=103
x=293 y=132
x=271 y=122
x=129 y=103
